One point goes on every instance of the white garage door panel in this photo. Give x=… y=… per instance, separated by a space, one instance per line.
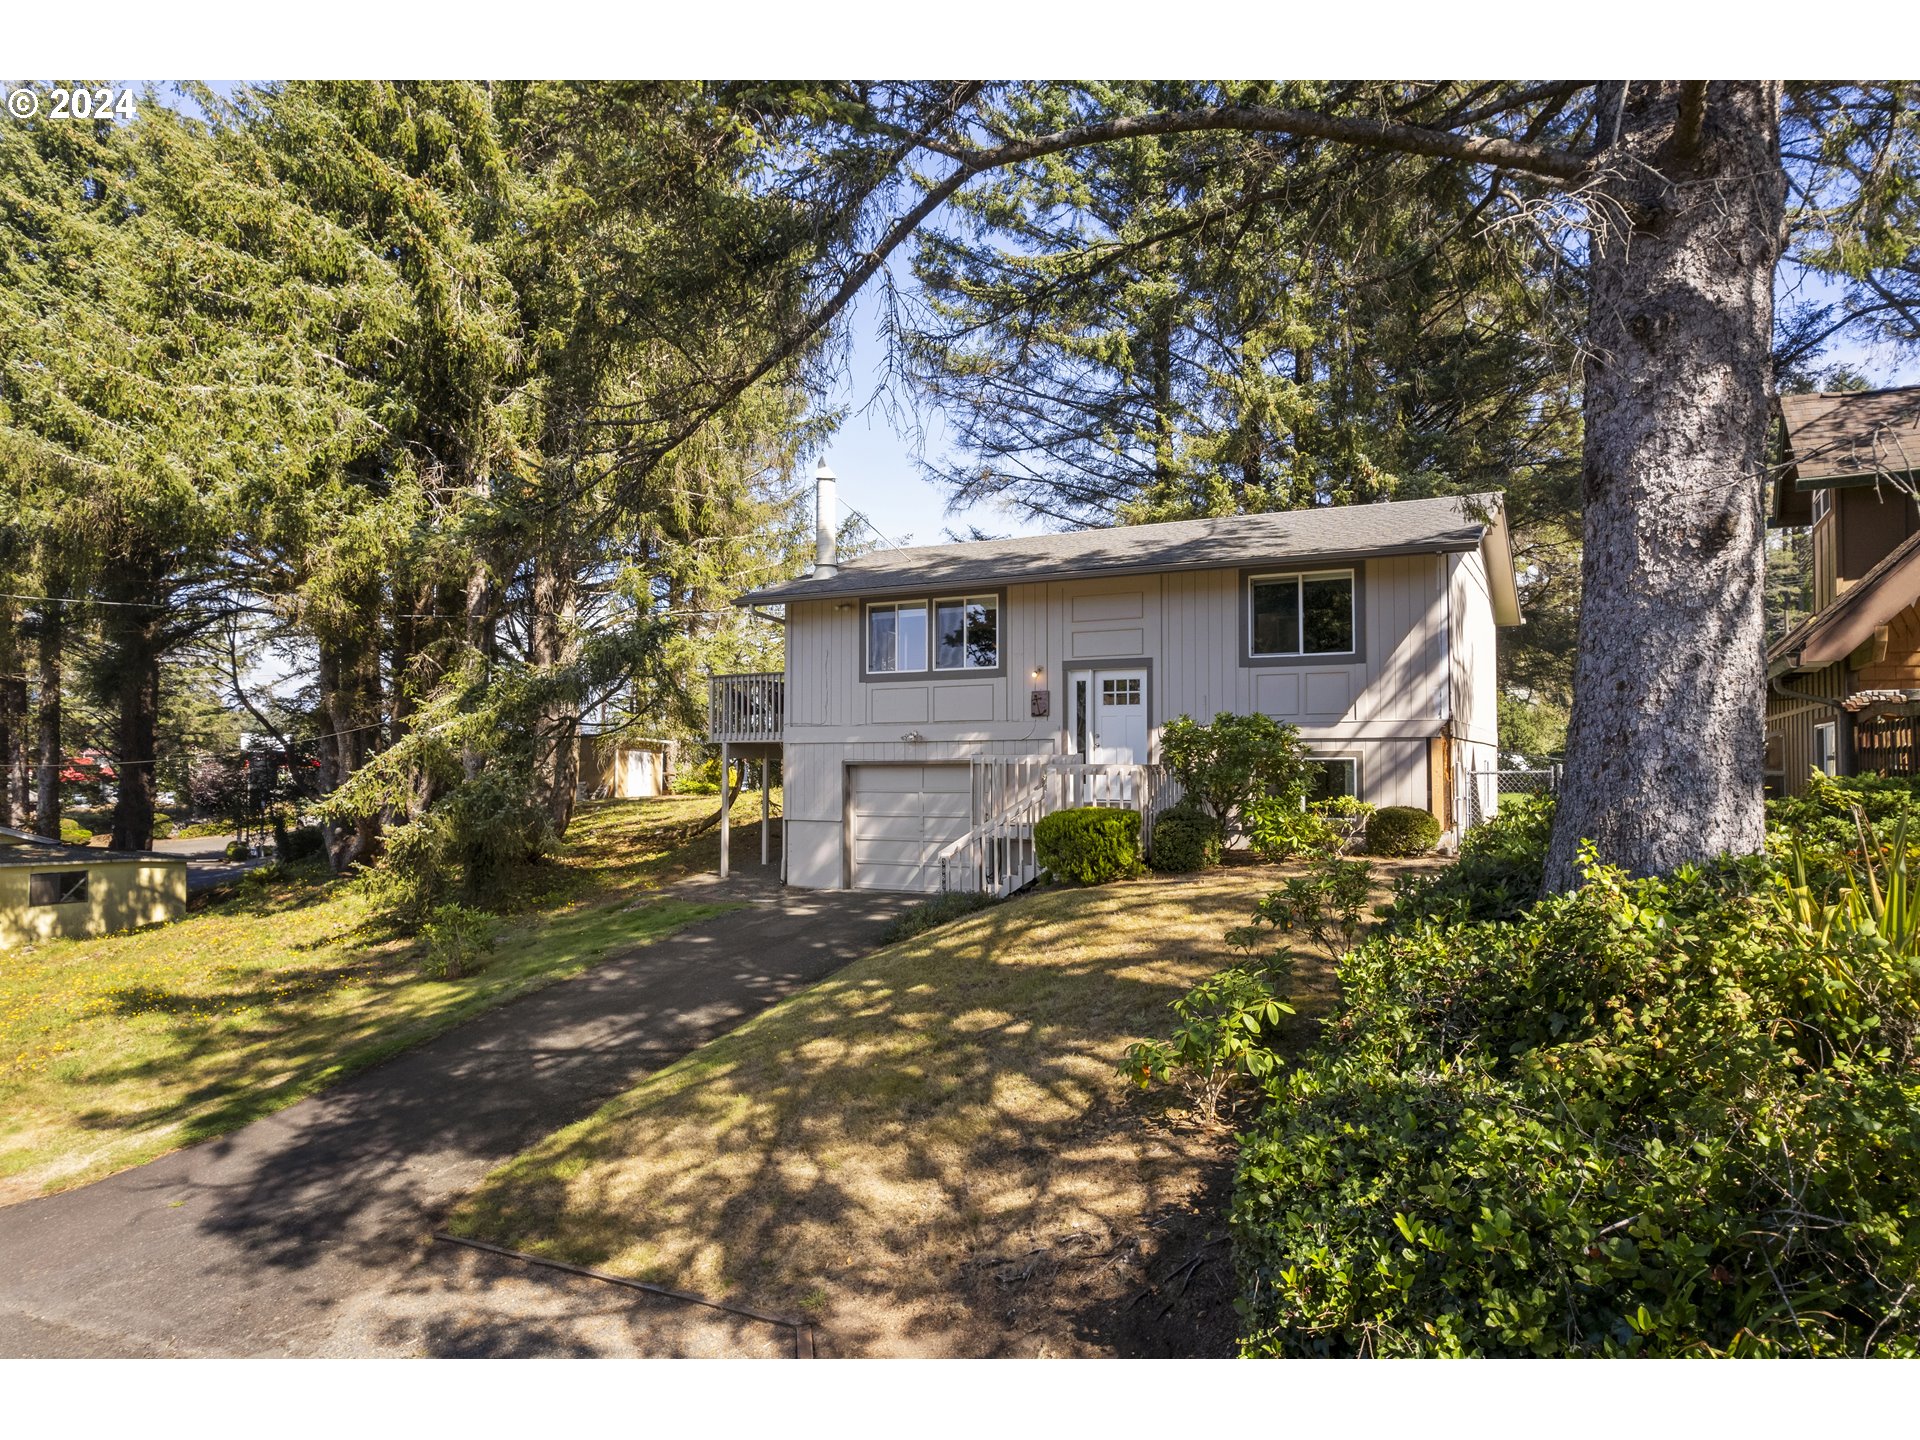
x=901 y=818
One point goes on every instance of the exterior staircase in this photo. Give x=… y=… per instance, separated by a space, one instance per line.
x=1011 y=795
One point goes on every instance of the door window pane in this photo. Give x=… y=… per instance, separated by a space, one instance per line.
x=1119 y=692
x=1327 y=605
x=1276 y=617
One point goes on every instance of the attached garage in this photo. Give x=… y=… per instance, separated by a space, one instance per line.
x=900 y=817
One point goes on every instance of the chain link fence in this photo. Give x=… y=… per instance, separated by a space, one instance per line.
x=1485 y=787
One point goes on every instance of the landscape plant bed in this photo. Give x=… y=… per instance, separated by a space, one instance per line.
x=933 y=1151
x=119 y=1049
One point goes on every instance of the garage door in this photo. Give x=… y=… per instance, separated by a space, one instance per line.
x=902 y=817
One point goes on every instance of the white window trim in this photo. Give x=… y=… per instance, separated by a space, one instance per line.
x=1300 y=577
x=933 y=640
x=1831 y=729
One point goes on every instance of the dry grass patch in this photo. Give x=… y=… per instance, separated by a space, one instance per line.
x=931 y=1152
x=116 y=1050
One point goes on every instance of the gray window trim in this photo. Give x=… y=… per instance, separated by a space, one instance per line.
x=1244 y=601
x=930 y=599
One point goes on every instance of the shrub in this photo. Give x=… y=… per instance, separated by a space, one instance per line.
x=1224 y=1038
x=1823 y=816
x=1090 y=845
x=458 y=940
x=1324 y=905
x=1651 y=1117
x=701 y=779
x=72 y=833
x=239 y=850
x=1185 y=838
x=1346 y=817
x=1502 y=863
x=946 y=906
x=1279 y=830
x=1237 y=759
x=1401 y=830
x=464 y=848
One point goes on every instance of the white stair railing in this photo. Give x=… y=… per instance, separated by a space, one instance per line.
x=1012 y=795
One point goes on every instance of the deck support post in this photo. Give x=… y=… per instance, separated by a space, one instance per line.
x=726 y=807
x=766 y=809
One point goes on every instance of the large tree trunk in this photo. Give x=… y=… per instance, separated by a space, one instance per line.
x=46 y=805
x=1666 y=742
x=133 y=642
x=556 y=769
x=13 y=719
x=351 y=692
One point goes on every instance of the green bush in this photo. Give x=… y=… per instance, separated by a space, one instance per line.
x=946 y=906
x=1823 y=816
x=72 y=833
x=1185 y=839
x=239 y=850
x=465 y=848
x=1653 y=1117
x=458 y=940
x=1225 y=766
x=1501 y=866
x=1224 y=1039
x=701 y=779
x=1279 y=830
x=1089 y=846
x=1401 y=830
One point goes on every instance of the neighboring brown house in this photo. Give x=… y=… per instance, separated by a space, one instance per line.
x=1843 y=686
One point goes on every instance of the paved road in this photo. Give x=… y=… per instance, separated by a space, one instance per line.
x=207 y=863
x=305 y=1233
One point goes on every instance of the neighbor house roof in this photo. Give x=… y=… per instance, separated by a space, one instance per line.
x=1837 y=631
x=1844 y=438
x=10 y=837
x=1324 y=534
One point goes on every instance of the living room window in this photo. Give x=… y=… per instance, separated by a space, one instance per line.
x=1305 y=614
x=966 y=633
x=897 y=638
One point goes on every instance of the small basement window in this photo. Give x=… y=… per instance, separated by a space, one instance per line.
x=1301 y=614
x=1333 y=776
x=57 y=887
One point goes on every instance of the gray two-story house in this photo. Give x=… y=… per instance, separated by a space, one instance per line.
x=937 y=700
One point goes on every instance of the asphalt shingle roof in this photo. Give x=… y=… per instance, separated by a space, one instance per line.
x=1865 y=432
x=1343 y=532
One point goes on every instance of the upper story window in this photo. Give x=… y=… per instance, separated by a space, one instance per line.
x=1309 y=614
x=959 y=633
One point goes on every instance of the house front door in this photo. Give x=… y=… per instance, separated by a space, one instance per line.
x=1117 y=725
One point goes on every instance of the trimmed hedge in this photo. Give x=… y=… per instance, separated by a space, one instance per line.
x=1401 y=830
x=1184 y=839
x=1090 y=845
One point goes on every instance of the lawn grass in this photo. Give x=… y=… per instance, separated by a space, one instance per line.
x=864 y=1152
x=115 y=1050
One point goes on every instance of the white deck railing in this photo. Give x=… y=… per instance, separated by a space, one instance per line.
x=1011 y=796
x=746 y=709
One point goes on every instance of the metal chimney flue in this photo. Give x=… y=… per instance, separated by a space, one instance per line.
x=826 y=515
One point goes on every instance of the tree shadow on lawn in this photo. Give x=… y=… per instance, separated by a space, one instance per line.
x=866 y=1151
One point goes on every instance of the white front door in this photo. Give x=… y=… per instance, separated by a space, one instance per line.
x=1117 y=724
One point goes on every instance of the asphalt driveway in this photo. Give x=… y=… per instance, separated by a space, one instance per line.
x=306 y=1232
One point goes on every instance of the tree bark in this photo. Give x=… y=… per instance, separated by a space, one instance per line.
x=46 y=806
x=556 y=771
x=133 y=632
x=1665 y=746
x=13 y=720
x=351 y=693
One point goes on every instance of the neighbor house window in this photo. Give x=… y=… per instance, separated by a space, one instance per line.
x=897 y=638
x=966 y=633
x=1302 y=614
x=1333 y=776
x=57 y=887
x=1826 y=748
